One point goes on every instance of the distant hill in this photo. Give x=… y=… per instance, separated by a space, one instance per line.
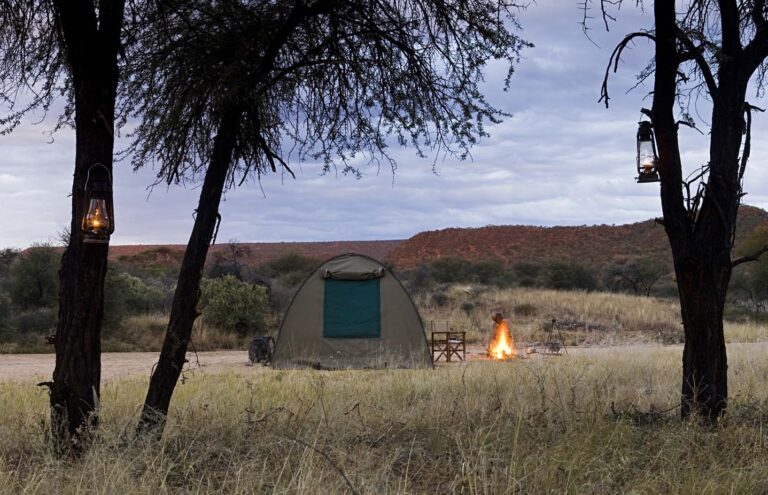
x=254 y=254
x=591 y=246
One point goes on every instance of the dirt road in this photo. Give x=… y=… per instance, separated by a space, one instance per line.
x=113 y=365
x=117 y=365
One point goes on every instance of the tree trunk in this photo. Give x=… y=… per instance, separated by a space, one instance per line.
x=702 y=288
x=91 y=43
x=184 y=308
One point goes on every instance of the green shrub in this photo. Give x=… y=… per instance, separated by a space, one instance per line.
x=33 y=278
x=37 y=320
x=292 y=279
x=451 y=270
x=491 y=272
x=126 y=295
x=290 y=263
x=420 y=279
x=5 y=310
x=563 y=275
x=234 y=305
x=7 y=256
x=527 y=274
x=440 y=299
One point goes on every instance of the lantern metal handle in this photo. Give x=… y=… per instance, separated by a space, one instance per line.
x=88 y=175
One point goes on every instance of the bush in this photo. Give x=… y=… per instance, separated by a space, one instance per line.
x=291 y=263
x=527 y=274
x=126 y=295
x=467 y=307
x=7 y=256
x=234 y=305
x=638 y=276
x=491 y=272
x=38 y=320
x=33 y=278
x=440 y=299
x=563 y=275
x=5 y=310
x=292 y=279
x=451 y=270
x=420 y=279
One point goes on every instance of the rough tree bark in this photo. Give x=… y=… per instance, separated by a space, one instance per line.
x=184 y=309
x=91 y=39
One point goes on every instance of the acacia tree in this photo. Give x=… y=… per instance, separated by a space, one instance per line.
x=325 y=80
x=69 y=48
x=713 y=48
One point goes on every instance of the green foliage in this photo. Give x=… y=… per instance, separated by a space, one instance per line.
x=563 y=275
x=33 y=277
x=290 y=269
x=292 y=279
x=440 y=299
x=291 y=263
x=125 y=295
x=451 y=270
x=527 y=274
x=5 y=310
x=7 y=255
x=637 y=277
x=234 y=305
x=748 y=286
x=36 y=320
x=492 y=272
x=419 y=279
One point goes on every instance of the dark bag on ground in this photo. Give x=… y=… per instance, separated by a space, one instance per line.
x=261 y=349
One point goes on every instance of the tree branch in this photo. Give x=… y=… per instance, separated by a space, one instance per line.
x=757 y=49
x=750 y=257
x=747 y=138
x=695 y=53
x=615 y=58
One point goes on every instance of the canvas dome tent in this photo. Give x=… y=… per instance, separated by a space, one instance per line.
x=351 y=312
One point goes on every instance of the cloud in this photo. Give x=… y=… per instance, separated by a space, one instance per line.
x=561 y=159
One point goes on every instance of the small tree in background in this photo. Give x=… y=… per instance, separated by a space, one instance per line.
x=125 y=295
x=233 y=305
x=527 y=274
x=751 y=281
x=33 y=279
x=563 y=275
x=637 y=276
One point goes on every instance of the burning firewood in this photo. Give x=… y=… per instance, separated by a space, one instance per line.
x=502 y=345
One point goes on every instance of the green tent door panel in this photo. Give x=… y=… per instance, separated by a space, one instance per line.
x=352 y=309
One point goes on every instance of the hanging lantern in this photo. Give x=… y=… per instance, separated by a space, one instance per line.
x=99 y=220
x=647 y=159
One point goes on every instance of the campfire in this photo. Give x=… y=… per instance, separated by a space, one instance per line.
x=502 y=345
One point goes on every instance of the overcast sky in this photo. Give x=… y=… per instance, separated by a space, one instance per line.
x=561 y=159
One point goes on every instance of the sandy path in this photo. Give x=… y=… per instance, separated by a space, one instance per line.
x=113 y=365
x=117 y=365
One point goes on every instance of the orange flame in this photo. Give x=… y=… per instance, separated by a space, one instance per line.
x=502 y=346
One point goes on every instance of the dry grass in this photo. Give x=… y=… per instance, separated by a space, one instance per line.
x=584 y=318
x=592 y=422
x=147 y=332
